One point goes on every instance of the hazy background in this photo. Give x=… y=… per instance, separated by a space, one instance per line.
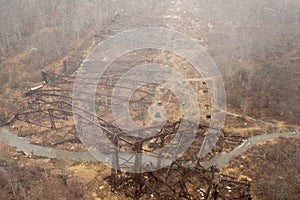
x=254 y=43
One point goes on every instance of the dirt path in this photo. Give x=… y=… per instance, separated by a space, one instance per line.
x=220 y=161
x=30 y=149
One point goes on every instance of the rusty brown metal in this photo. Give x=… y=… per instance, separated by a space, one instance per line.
x=176 y=181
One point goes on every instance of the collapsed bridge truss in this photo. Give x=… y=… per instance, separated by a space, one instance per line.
x=47 y=119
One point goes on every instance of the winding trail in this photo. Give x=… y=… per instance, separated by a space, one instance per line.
x=31 y=149
x=220 y=161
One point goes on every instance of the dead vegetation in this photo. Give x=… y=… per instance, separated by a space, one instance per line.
x=258 y=58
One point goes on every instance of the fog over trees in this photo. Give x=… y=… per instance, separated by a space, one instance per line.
x=254 y=43
x=49 y=26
